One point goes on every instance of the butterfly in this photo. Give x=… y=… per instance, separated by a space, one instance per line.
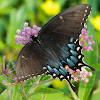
x=56 y=47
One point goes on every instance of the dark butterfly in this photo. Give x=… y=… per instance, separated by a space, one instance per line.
x=57 y=45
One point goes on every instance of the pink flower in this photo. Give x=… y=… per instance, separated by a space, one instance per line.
x=86 y=80
x=89 y=74
x=85 y=37
x=86 y=41
x=70 y=70
x=93 y=43
x=84 y=48
x=90 y=37
x=75 y=79
x=83 y=75
x=15 y=79
x=24 y=36
x=7 y=72
x=25 y=25
x=4 y=82
x=80 y=75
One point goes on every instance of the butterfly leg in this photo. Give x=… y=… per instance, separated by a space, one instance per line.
x=71 y=85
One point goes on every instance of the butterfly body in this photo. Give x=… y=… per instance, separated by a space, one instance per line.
x=56 y=47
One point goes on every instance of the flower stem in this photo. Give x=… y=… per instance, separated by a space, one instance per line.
x=72 y=92
x=23 y=92
x=37 y=84
x=4 y=63
x=7 y=86
x=33 y=87
x=43 y=82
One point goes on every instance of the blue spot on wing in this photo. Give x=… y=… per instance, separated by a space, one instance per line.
x=56 y=71
x=71 y=39
x=72 y=46
x=74 y=53
x=50 y=69
x=74 y=59
x=70 y=63
x=63 y=63
x=63 y=69
x=44 y=68
x=62 y=72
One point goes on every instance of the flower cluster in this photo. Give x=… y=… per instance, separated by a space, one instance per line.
x=50 y=7
x=80 y=75
x=24 y=36
x=86 y=41
x=7 y=72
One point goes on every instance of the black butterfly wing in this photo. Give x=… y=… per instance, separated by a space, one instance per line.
x=31 y=60
x=60 y=33
x=65 y=25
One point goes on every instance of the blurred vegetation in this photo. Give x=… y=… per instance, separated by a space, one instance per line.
x=13 y=14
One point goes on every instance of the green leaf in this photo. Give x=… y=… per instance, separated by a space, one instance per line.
x=94 y=7
x=17 y=19
x=2 y=97
x=5 y=93
x=6 y=6
x=85 y=88
x=96 y=96
x=49 y=97
x=2 y=87
x=49 y=94
x=6 y=10
x=47 y=90
x=2 y=45
x=45 y=77
x=61 y=2
x=91 y=56
x=96 y=66
x=15 y=92
x=96 y=93
x=30 y=7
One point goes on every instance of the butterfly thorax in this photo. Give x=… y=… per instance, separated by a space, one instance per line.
x=35 y=38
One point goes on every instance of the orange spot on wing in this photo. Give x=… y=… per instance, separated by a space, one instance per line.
x=66 y=66
x=21 y=82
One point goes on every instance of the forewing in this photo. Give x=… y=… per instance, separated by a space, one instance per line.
x=65 y=25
